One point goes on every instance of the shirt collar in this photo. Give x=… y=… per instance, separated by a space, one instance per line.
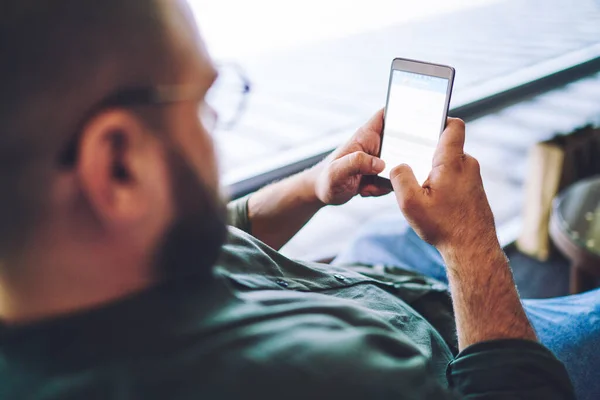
x=123 y=328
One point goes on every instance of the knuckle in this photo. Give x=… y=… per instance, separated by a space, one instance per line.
x=455 y=165
x=472 y=163
x=331 y=177
x=362 y=157
x=398 y=171
x=356 y=159
x=457 y=123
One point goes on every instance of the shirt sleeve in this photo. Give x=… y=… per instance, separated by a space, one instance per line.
x=237 y=214
x=506 y=369
x=365 y=364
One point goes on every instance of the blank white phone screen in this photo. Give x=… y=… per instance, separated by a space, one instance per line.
x=413 y=118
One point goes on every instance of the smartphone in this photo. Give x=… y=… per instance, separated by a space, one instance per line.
x=415 y=115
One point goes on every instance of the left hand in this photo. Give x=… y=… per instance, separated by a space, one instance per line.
x=340 y=176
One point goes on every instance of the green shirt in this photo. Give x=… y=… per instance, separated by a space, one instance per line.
x=268 y=327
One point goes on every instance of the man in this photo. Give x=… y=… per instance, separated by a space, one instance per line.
x=117 y=280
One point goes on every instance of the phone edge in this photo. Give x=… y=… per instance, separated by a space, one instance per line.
x=386 y=182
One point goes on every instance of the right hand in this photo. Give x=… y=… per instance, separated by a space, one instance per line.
x=450 y=210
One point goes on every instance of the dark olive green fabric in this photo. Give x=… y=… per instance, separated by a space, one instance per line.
x=267 y=327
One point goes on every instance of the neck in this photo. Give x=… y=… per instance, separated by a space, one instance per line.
x=51 y=287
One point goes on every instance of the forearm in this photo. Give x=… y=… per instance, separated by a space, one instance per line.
x=486 y=302
x=278 y=211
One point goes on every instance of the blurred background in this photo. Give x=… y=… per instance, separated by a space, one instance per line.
x=527 y=73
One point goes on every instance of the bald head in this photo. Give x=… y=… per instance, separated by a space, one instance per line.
x=59 y=58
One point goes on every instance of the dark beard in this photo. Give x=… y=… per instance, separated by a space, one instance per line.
x=192 y=244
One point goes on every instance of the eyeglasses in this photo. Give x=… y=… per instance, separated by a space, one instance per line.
x=228 y=96
x=222 y=107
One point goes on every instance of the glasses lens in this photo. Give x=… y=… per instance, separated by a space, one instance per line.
x=227 y=96
x=209 y=117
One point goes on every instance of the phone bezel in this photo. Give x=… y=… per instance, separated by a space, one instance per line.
x=423 y=68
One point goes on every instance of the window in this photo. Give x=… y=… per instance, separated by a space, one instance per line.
x=319 y=68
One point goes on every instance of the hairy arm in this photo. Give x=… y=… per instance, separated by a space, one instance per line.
x=279 y=210
x=451 y=211
x=486 y=301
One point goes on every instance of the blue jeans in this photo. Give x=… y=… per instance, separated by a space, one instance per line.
x=568 y=326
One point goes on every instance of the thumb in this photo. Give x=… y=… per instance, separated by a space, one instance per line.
x=358 y=163
x=406 y=187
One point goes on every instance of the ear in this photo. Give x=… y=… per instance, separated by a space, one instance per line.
x=122 y=169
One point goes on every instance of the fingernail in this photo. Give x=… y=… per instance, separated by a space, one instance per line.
x=378 y=164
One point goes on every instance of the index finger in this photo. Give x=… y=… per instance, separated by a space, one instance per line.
x=376 y=122
x=369 y=135
x=452 y=142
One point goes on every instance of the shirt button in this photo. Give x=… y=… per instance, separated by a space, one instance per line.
x=339 y=277
x=282 y=283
